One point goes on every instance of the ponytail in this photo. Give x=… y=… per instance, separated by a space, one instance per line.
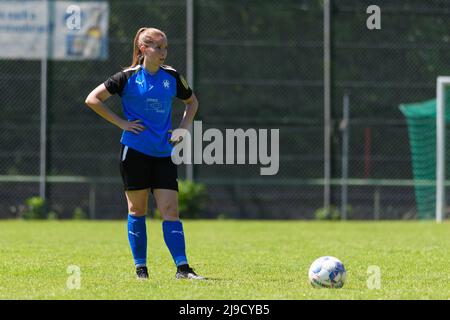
x=137 y=55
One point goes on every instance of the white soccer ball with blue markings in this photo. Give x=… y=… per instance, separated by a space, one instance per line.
x=327 y=272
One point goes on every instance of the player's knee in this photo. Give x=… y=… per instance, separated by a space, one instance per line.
x=170 y=217
x=169 y=211
x=137 y=210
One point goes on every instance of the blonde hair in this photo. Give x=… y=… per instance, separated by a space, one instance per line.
x=144 y=36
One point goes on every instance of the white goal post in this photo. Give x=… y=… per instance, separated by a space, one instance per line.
x=441 y=83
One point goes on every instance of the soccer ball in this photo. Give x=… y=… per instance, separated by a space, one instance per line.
x=327 y=272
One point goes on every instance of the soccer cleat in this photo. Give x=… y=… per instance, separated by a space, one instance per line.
x=186 y=272
x=142 y=273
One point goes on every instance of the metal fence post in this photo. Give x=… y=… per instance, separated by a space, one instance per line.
x=376 y=203
x=190 y=66
x=345 y=138
x=327 y=102
x=92 y=200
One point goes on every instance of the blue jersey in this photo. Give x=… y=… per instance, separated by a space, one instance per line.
x=148 y=97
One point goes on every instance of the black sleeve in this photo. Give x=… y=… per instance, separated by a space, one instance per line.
x=116 y=83
x=183 y=90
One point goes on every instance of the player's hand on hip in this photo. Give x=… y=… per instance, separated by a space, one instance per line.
x=176 y=137
x=133 y=126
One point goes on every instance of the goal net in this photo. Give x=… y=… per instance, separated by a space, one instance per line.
x=430 y=157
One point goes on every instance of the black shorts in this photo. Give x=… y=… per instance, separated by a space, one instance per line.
x=140 y=171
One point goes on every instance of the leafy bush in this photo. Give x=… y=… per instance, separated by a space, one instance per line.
x=192 y=199
x=35 y=208
x=52 y=215
x=332 y=214
x=79 y=214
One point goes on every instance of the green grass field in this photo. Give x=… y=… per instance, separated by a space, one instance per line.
x=243 y=259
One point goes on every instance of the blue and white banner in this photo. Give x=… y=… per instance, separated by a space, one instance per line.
x=23 y=29
x=79 y=30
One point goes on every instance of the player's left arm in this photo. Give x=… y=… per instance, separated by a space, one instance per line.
x=191 y=107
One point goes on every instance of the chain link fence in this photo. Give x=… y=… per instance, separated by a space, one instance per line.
x=257 y=64
x=379 y=70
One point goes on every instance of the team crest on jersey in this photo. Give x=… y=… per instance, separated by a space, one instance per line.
x=166 y=84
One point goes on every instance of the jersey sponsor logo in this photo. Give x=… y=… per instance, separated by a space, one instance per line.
x=184 y=82
x=154 y=105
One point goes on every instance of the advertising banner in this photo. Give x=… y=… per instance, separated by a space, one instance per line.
x=60 y=30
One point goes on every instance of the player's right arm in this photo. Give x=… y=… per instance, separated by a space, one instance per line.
x=95 y=100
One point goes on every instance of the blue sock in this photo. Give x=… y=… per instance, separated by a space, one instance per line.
x=174 y=238
x=137 y=236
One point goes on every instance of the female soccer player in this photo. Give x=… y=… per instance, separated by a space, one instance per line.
x=146 y=89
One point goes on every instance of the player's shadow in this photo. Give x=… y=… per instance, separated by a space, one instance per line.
x=215 y=279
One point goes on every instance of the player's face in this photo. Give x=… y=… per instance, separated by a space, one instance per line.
x=156 y=52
